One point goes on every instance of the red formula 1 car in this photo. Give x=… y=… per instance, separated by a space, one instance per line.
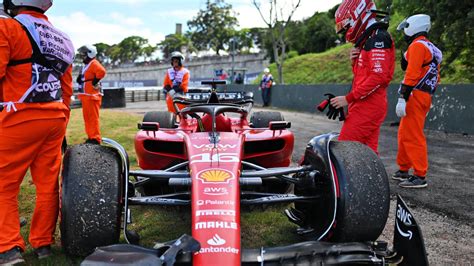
x=216 y=160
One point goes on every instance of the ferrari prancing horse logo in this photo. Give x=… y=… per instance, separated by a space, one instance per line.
x=215 y=176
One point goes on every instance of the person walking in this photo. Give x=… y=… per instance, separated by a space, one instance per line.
x=373 y=61
x=36 y=84
x=265 y=87
x=421 y=64
x=176 y=80
x=90 y=92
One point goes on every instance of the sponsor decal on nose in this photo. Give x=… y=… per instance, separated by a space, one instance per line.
x=216 y=240
x=215 y=176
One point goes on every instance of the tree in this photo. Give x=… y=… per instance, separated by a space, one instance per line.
x=319 y=33
x=244 y=40
x=277 y=22
x=131 y=48
x=103 y=53
x=174 y=42
x=213 y=27
x=451 y=30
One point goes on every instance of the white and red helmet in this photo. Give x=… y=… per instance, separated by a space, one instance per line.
x=352 y=17
x=43 y=5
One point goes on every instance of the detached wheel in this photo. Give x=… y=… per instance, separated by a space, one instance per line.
x=91 y=194
x=364 y=200
x=261 y=119
x=164 y=118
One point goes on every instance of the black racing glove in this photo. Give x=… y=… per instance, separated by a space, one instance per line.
x=177 y=88
x=405 y=91
x=95 y=81
x=332 y=112
x=79 y=80
x=403 y=62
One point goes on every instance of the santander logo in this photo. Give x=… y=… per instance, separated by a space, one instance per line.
x=216 y=240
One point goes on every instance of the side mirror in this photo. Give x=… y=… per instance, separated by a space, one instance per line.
x=149 y=126
x=279 y=125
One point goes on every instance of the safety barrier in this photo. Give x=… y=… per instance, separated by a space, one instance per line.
x=142 y=95
x=118 y=97
x=452 y=107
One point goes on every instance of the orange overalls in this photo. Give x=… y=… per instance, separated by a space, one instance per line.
x=177 y=79
x=91 y=98
x=32 y=125
x=422 y=74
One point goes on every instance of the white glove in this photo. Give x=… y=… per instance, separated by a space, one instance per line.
x=171 y=93
x=401 y=107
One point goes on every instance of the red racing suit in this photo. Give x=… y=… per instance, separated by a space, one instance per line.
x=373 y=71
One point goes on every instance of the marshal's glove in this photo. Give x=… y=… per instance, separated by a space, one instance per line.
x=166 y=89
x=171 y=93
x=332 y=112
x=401 y=108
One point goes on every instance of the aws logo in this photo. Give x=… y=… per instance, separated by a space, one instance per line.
x=215 y=176
x=215 y=191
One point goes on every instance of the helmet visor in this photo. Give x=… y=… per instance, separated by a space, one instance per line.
x=403 y=25
x=343 y=26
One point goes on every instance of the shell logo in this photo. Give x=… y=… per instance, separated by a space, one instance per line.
x=216 y=176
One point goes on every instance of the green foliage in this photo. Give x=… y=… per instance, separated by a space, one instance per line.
x=127 y=51
x=243 y=40
x=103 y=52
x=451 y=30
x=174 y=42
x=292 y=54
x=312 y=35
x=319 y=33
x=213 y=27
x=131 y=48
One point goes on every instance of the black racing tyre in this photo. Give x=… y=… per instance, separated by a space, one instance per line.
x=91 y=198
x=364 y=200
x=166 y=119
x=262 y=118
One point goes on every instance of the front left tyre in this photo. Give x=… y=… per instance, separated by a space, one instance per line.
x=91 y=198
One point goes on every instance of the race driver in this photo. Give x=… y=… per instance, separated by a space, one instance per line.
x=421 y=64
x=90 y=92
x=36 y=82
x=373 y=60
x=176 y=79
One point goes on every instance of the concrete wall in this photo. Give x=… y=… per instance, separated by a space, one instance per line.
x=200 y=69
x=452 y=109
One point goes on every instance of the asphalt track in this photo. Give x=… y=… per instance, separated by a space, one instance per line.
x=444 y=209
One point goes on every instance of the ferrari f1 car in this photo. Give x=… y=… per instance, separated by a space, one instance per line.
x=215 y=160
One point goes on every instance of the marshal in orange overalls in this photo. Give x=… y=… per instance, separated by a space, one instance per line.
x=91 y=98
x=175 y=79
x=412 y=148
x=32 y=128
